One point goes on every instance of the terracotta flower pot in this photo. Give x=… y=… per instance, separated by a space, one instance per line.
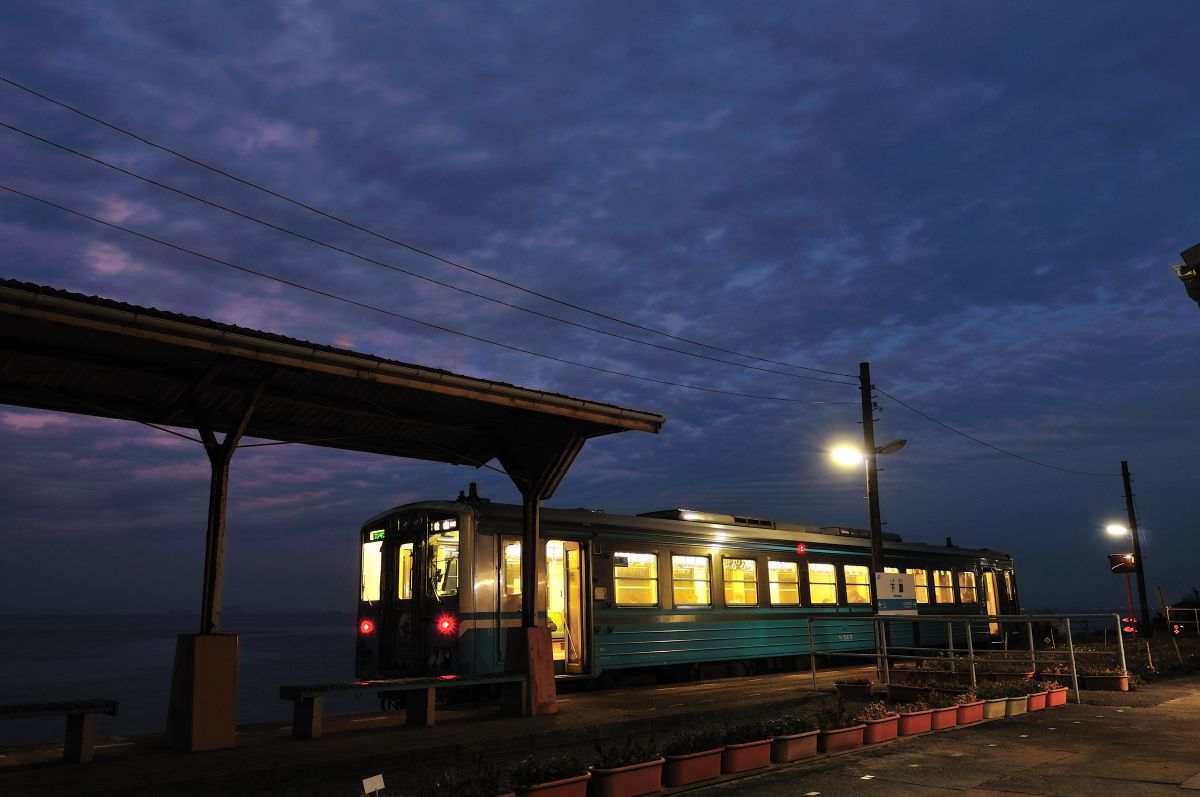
x=1056 y=697
x=746 y=756
x=943 y=718
x=902 y=693
x=830 y=741
x=1108 y=683
x=994 y=709
x=970 y=712
x=793 y=747
x=567 y=787
x=913 y=722
x=693 y=767
x=630 y=781
x=1017 y=705
x=880 y=730
x=853 y=691
x=1037 y=701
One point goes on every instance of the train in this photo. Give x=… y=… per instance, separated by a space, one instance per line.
x=440 y=584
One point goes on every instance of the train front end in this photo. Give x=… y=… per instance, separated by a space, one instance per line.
x=408 y=610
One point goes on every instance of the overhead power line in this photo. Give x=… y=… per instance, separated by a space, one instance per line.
x=410 y=247
x=392 y=314
x=392 y=266
x=987 y=444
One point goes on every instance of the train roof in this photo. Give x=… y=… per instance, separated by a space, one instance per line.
x=671 y=522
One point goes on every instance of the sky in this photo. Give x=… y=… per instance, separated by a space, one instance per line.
x=982 y=200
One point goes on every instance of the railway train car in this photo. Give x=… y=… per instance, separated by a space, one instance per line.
x=441 y=582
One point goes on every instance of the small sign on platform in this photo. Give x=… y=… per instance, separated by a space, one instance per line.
x=897 y=593
x=373 y=785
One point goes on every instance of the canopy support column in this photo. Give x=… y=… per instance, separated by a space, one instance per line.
x=202 y=714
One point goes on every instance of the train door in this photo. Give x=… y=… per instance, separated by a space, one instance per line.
x=992 y=599
x=564 y=604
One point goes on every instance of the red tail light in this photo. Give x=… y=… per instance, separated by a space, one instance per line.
x=366 y=627
x=446 y=624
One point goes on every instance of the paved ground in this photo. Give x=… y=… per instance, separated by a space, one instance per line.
x=1143 y=743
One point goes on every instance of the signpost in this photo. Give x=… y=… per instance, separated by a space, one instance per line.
x=897 y=593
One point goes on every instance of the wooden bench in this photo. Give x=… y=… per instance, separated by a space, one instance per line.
x=420 y=696
x=81 y=722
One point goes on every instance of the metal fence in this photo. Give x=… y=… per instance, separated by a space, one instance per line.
x=953 y=639
x=1186 y=619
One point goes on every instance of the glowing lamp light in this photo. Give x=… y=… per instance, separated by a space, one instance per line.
x=801 y=549
x=846 y=455
x=366 y=627
x=446 y=624
x=1116 y=530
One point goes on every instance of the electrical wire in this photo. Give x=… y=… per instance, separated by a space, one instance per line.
x=392 y=266
x=987 y=444
x=392 y=314
x=403 y=244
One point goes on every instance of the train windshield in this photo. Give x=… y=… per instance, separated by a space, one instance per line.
x=441 y=556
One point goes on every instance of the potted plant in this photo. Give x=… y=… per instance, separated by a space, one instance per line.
x=1107 y=679
x=627 y=770
x=1056 y=695
x=970 y=708
x=693 y=755
x=881 y=723
x=793 y=737
x=853 y=688
x=1036 y=694
x=1017 y=695
x=995 y=700
x=837 y=731
x=747 y=746
x=1055 y=673
x=945 y=710
x=550 y=776
x=915 y=717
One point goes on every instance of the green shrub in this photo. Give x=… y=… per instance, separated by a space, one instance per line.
x=634 y=750
x=542 y=768
x=695 y=739
x=875 y=710
x=751 y=730
x=791 y=724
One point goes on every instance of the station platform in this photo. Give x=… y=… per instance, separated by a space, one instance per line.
x=1141 y=742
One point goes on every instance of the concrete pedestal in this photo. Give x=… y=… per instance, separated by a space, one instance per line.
x=203 y=710
x=529 y=651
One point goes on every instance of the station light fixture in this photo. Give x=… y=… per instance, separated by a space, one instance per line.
x=1189 y=272
x=1117 y=530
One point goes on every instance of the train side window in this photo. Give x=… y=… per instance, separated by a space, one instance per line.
x=1008 y=589
x=372 y=561
x=741 y=581
x=784 y=580
x=943 y=586
x=822 y=583
x=921 y=582
x=690 y=580
x=404 y=584
x=858 y=583
x=510 y=573
x=442 y=556
x=635 y=579
x=967 y=591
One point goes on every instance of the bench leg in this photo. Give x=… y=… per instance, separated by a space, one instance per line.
x=306 y=717
x=419 y=704
x=81 y=738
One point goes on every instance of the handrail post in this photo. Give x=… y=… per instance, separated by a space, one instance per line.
x=882 y=631
x=1071 y=653
x=812 y=655
x=1032 y=658
x=1121 y=643
x=970 y=651
x=950 y=642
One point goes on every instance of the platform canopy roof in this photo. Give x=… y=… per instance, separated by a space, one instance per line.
x=94 y=356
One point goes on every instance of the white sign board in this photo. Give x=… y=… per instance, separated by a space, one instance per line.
x=373 y=785
x=897 y=593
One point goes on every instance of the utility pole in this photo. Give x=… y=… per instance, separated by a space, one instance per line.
x=1147 y=629
x=871 y=454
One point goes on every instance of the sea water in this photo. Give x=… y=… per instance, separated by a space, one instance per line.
x=129 y=658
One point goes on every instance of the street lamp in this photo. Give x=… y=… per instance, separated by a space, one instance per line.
x=1122 y=562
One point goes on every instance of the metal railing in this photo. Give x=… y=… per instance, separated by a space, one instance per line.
x=1177 y=616
x=963 y=655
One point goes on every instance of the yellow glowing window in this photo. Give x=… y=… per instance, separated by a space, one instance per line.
x=921 y=581
x=510 y=575
x=858 y=584
x=690 y=576
x=784 y=579
x=967 y=593
x=822 y=583
x=943 y=586
x=404 y=572
x=1008 y=589
x=372 y=558
x=741 y=581
x=635 y=579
